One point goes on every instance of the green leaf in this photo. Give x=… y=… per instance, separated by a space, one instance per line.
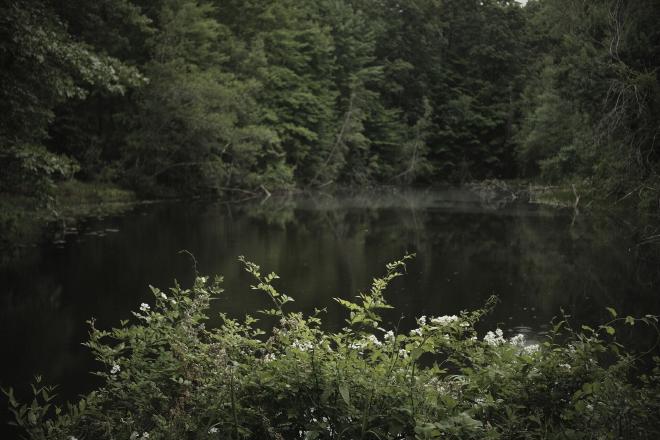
x=345 y=393
x=612 y=312
x=448 y=400
x=416 y=353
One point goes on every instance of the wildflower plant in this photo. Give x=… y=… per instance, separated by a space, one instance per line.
x=167 y=376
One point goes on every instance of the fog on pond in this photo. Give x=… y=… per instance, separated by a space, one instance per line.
x=538 y=260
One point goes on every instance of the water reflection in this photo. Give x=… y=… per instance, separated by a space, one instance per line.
x=468 y=247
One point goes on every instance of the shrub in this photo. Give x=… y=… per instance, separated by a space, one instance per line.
x=167 y=376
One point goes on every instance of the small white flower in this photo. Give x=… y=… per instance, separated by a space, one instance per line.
x=162 y=295
x=269 y=357
x=389 y=335
x=465 y=324
x=356 y=345
x=115 y=369
x=213 y=430
x=403 y=353
x=494 y=339
x=72 y=437
x=145 y=435
x=590 y=407
x=374 y=340
x=532 y=348
x=421 y=320
x=144 y=307
x=173 y=302
x=518 y=340
x=134 y=435
x=302 y=346
x=444 y=320
x=416 y=332
x=565 y=366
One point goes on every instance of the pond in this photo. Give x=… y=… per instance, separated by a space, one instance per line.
x=537 y=259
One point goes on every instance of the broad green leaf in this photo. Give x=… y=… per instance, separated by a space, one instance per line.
x=345 y=393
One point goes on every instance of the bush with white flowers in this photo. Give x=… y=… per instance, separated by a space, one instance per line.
x=168 y=376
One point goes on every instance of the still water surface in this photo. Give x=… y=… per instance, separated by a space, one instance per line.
x=536 y=259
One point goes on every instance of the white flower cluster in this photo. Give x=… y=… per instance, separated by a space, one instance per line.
x=115 y=369
x=518 y=340
x=532 y=348
x=444 y=320
x=361 y=345
x=136 y=435
x=421 y=320
x=416 y=332
x=270 y=357
x=145 y=307
x=495 y=339
x=356 y=345
x=374 y=340
x=389 y=335
x=213 y=430
x=302 y=346
x=403 y=353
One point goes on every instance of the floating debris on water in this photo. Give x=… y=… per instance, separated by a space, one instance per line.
x=100 y=233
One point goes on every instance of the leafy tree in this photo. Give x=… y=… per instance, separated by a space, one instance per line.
x=597 y=84
x=265 y=93
x=197 y=126
x=298 y=94
x=43 y=66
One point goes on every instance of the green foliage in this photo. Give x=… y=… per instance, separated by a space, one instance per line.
x=44 y=66
x=242 y=95
x=166 y=375
x=198 y=126
x=31 y=169
x=298 y=93
x=592 y=95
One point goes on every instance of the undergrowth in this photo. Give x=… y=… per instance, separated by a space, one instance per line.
x=167 y=376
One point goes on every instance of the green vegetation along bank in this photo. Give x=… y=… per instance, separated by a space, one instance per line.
x=210 y=96
x=165 y=375
x=24 y=219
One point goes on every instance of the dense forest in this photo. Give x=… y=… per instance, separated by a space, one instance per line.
x=208 y=96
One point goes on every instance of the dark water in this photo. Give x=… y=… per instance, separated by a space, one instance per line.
x=536 y=259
